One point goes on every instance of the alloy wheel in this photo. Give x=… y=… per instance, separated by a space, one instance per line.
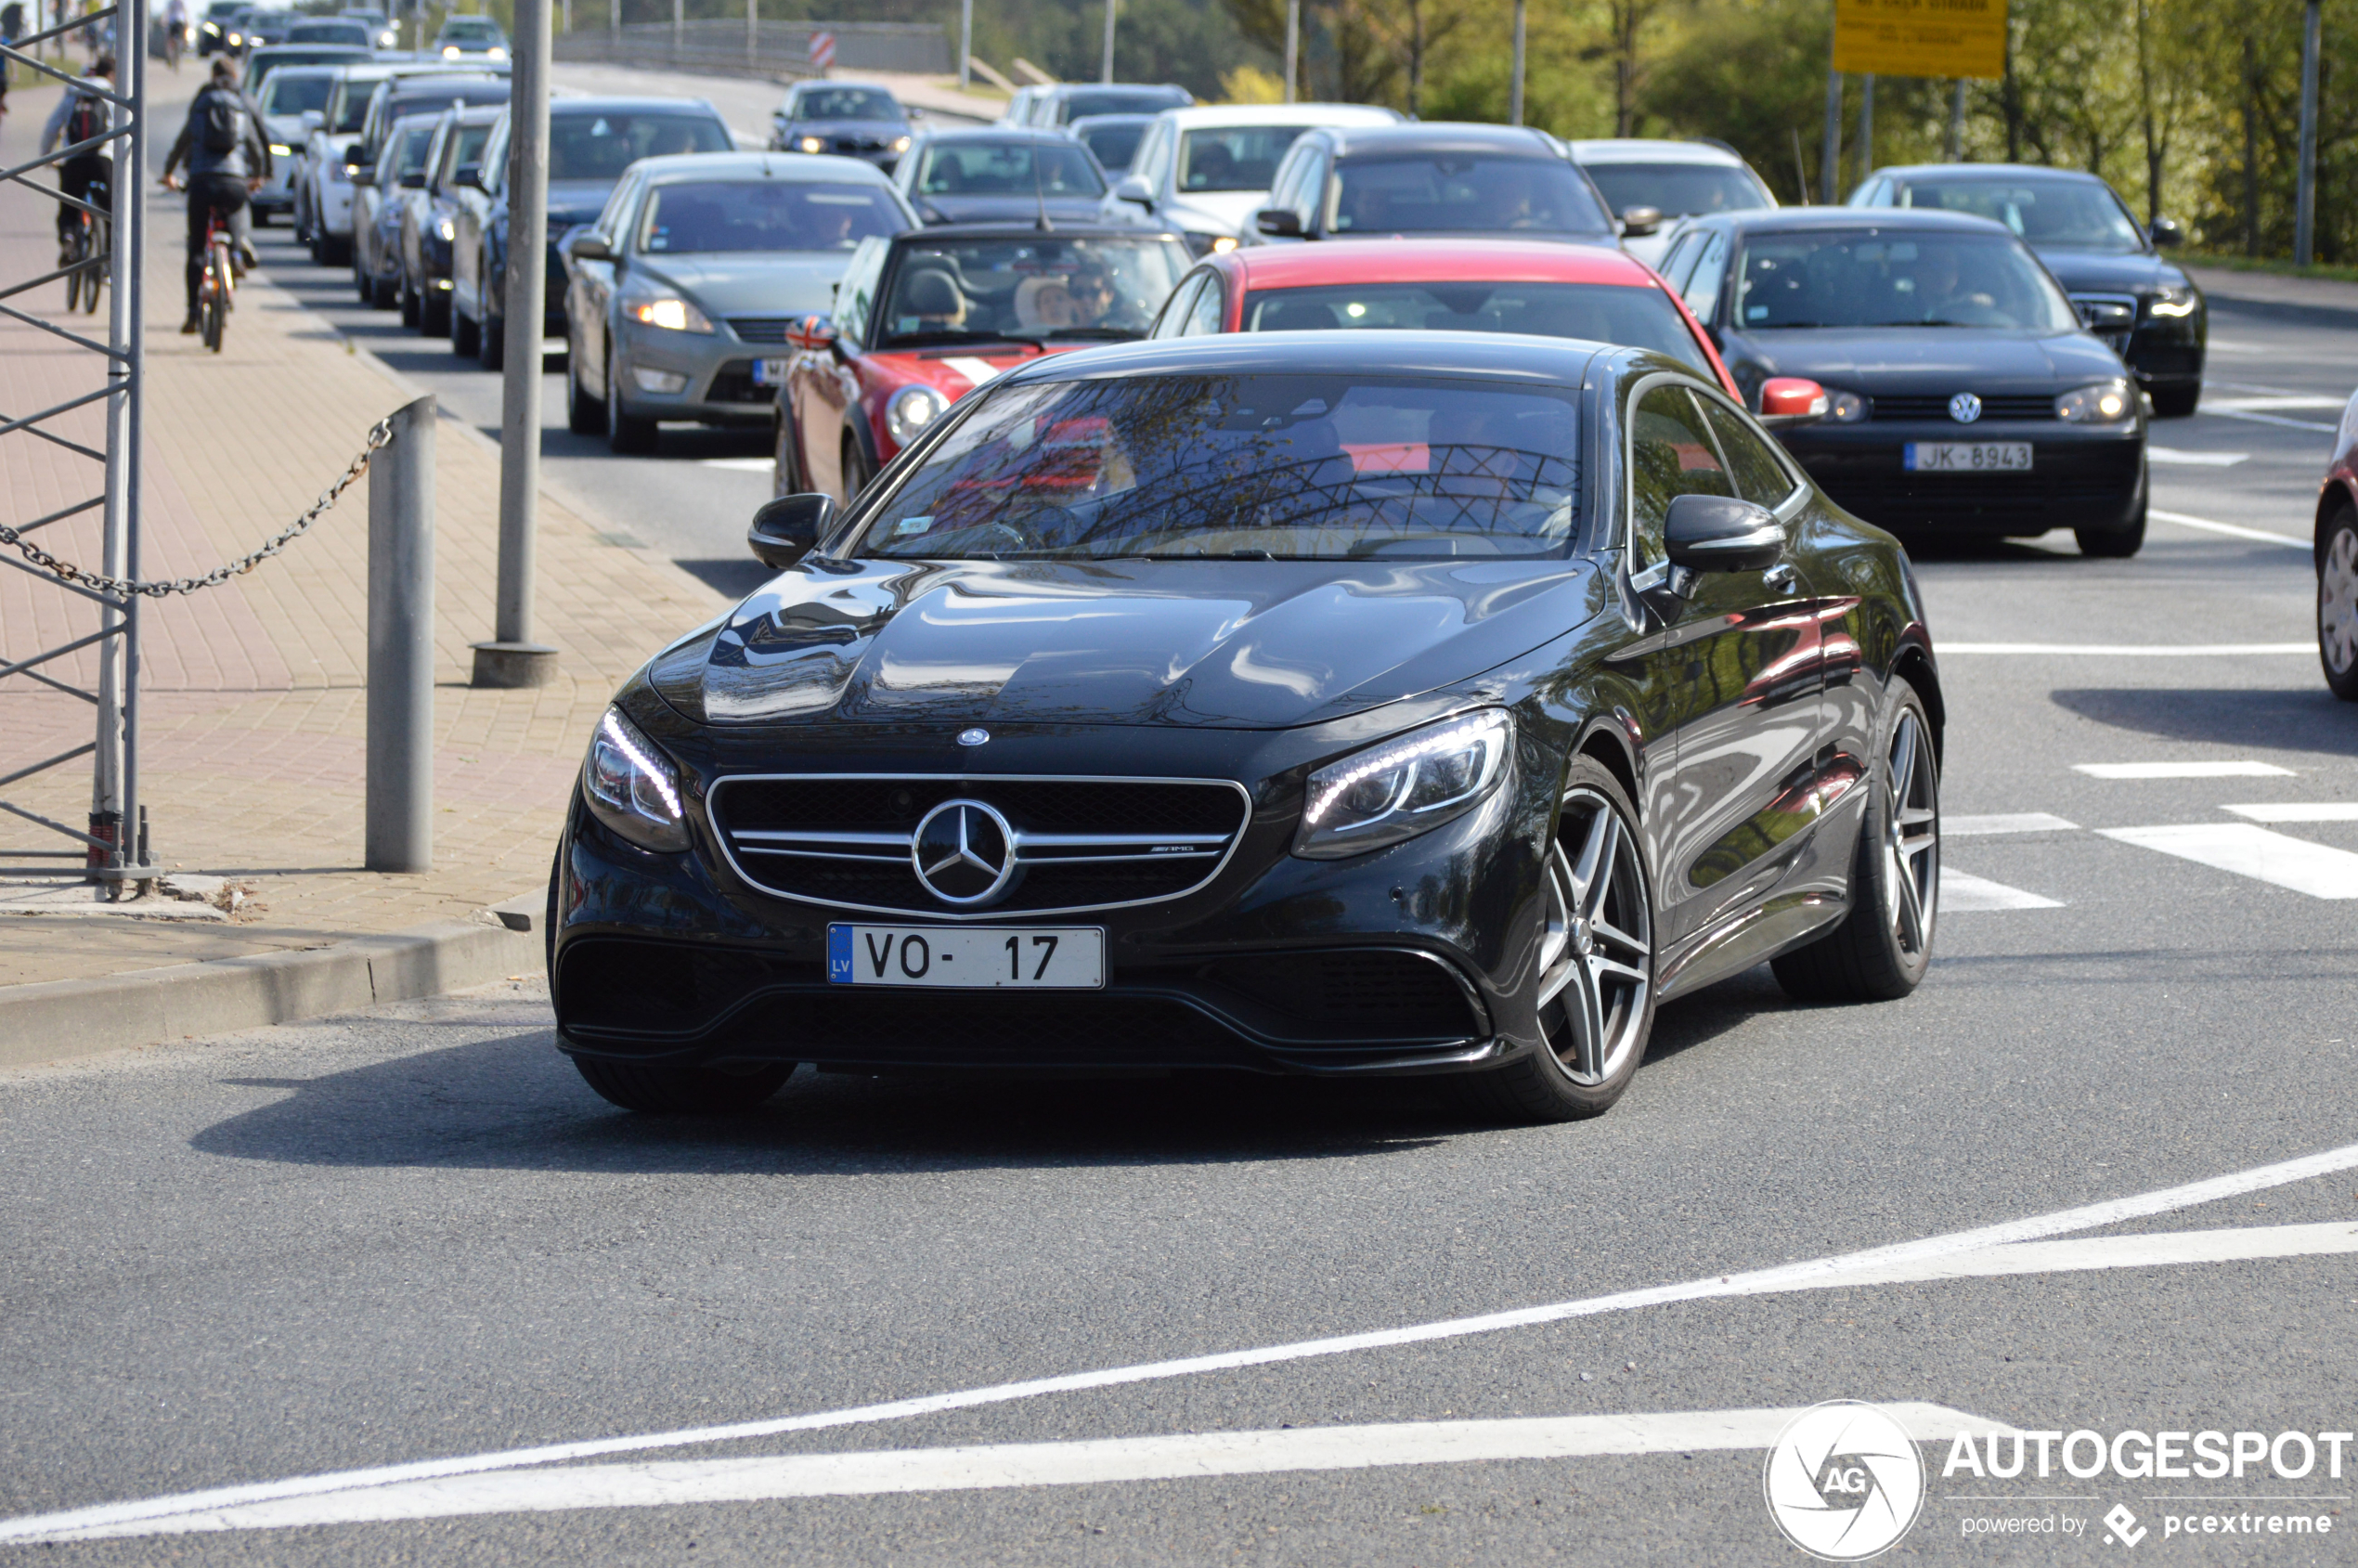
x=2337 y=603
x=1595 y=959
x=1911 y=835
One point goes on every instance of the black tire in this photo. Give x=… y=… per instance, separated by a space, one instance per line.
x=1884 y=945
x=2176 y=402
x=856 y=473
x=363 y=285
x=491 y=342
x=434 y=313
x=412 y=308
x=2113 y=544
x=1597 y=913
x=2337 y=602
x=626 y=433
x=661 y=1089
x=214 y=326
x=585 y=415
x=787 y=463
x=465 y=336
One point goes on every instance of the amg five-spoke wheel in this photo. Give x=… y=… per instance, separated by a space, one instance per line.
x=1911 y=837
x=2338 y=605
x=1597 y=958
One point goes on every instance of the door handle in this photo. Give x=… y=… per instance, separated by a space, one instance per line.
x=1782 y=578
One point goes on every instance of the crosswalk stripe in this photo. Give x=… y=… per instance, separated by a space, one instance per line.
x=2238 y=769
x=1962 y=893
x=2318 y=869
x=2298 y=811
x=2011 y=821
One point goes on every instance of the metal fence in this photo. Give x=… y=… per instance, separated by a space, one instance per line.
x=754 y=48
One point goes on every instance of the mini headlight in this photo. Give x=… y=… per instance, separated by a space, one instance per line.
x=812 y=144
x=1846 y=407
x=1408 y=785
x=913 y=409
x=2173 y=299
x=632 y=787
x=2103 y=403
x=669 y=312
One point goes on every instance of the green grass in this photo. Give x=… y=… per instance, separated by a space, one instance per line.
x=2275 y=265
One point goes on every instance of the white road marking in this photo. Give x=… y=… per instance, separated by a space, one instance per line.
x=2233 y=530
x=2274 y=401
x=2015 y=822
x=1816 y=1273
x=741 y=466
x=2177 y=457
x=2152 y=1250
x=2133 y=650
x=2256 y=417
x=1962 y=893
x=2237 y=769
x=2318 y=869
x=2297 y=812
x=1090 y=1462
x=975 y=370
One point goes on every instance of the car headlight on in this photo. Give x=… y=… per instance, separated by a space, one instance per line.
x=2103 y=403
x=811 y=144
x=2173 y=299
x=446 y=230
x=1846 y=407
x=1408 y=785
x=632 y=787
x=450 y=51
x=899 y=144
x=913 y=409
x=668 y=311
x=495 y=52
x=278 y=151
x=342 y=172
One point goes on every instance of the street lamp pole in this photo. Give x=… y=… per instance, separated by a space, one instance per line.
x=1293 y=46
x=1105 y=73
x=965 y=44
x=2304 y=226
x=1514 y=94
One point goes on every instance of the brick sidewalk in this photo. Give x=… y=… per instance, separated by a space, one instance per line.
x=251 y=756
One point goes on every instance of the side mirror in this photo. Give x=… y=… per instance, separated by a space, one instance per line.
x=313 y=118
x=811 y=334
x=468 y=174
x=414 y=180
x=1786 y=401
x=1640 y=221
x=1282 y=222
x=1134 y=188
x=589 y=245
x=1721 y=534
x=787 y=530
x=2166 y=232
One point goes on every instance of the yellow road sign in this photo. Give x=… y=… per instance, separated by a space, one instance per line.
x=1920 y=37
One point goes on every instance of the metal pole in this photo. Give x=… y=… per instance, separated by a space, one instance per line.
x=752 y=41
x=1830 y=162
x=1514 y=94
x=1105 y=72
x=679 y=24
x=399 y=812
x=1956 y=149
x=114 y=777
x=614 y=23
x=2304 y=225
x=1866 y=126
x=1293 y=47
x=512 y=658
x=965 y=44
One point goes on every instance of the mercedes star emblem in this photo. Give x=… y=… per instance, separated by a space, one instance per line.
x=973 y=737
x=964 y=852
x=1965 y=407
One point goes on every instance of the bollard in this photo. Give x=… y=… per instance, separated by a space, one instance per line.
x=400 y=809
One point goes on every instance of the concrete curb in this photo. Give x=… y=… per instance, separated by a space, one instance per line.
x=58 y=1020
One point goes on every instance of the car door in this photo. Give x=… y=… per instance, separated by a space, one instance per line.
x=824 y=383
x=1737 y=655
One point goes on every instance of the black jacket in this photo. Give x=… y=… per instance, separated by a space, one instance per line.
x=248 y=160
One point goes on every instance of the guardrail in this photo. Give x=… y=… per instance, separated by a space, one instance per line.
x=752 y=46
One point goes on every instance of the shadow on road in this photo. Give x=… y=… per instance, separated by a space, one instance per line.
x=2304 y=719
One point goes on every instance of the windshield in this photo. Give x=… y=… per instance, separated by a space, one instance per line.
x=846 y=103
x=2068 y=215
x=1465 y=195
x=1122 y=100
x=282 y=94
x=1007 y=168
x=599 y=147
x=703 y=216
x=470 y=30
x=1862 y=279
x=1238 y=157
x=1633 y=318
x=329 y=32
x=409 y=150
x=1029 y=288
x=1678 y=190
x=1279 y=467
x=1112 y=145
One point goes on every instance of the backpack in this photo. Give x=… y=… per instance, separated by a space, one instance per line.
x=85 y=120
x=225 y=120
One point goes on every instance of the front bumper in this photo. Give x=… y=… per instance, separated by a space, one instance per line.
x=717 y=371
x=334 y=216
x=1412 y=959
x=2082 y=476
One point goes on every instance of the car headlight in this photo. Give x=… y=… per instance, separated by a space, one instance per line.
x=811 y=144
x=913 y=409
x=899 y=144
x=450 y=51
x=342 y=172
x=2103 y=403
x=495 y=52
x=668 y=311
x=2173 y=299
x=632 y=787
x=278 y=151
x=1846 y=407
x=1409 y=785
x=446 y=230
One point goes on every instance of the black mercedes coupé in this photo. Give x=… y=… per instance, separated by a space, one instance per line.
x=1298 y=703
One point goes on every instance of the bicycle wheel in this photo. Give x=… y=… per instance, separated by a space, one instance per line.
x=77 y=247
x=95 y=241
x=224 y=286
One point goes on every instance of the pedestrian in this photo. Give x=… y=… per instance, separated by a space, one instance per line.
x=229 y=157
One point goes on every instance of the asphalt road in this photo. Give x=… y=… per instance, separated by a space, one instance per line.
x=414 y=1236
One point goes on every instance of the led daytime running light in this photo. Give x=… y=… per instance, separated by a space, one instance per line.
x=1483 y=729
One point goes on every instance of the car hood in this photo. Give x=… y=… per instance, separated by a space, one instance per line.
x=2093 y=272
x=752 y=282
x=1006 y=208
x=1214 y=212
x=1895 y=359
x=881 y=133
x=1231 y=644
x=574 y=202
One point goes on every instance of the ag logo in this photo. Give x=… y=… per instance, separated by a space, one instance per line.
x=1844 y=1480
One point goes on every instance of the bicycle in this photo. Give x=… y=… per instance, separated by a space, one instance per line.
x=87 y=245
x=216 y=295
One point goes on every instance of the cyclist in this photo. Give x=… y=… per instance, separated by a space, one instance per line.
x=81 y=114
x=229 y=157
x=175 y=31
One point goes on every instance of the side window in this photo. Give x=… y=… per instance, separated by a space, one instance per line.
x=1148 y=163
x=1670 y=455
x=1207 y=311
x=1760 y=478
x=1701 y=291
x=1311 y=194
x=856 y=295
x=494 y=159
x=1172 y=322
x=1679 y=259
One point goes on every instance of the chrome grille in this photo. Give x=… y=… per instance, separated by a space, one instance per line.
x=1935 y=406
x=1077 y=843
x=761 y=328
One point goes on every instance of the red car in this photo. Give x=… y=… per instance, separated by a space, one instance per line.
x=1534 y=287
x=924 y=317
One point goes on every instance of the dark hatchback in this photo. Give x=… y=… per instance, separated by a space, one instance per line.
x=845 y=118
x=996 y=175
x=1375 y=183
x=1316 y=703
x=2144 y=306
x=1965 y=397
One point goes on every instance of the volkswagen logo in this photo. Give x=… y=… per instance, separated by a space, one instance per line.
x=964 y=852
x=1965 y=407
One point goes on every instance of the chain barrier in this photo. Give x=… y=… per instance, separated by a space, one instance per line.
x=380 y=436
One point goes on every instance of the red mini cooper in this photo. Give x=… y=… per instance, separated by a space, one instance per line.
x=924 y=317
